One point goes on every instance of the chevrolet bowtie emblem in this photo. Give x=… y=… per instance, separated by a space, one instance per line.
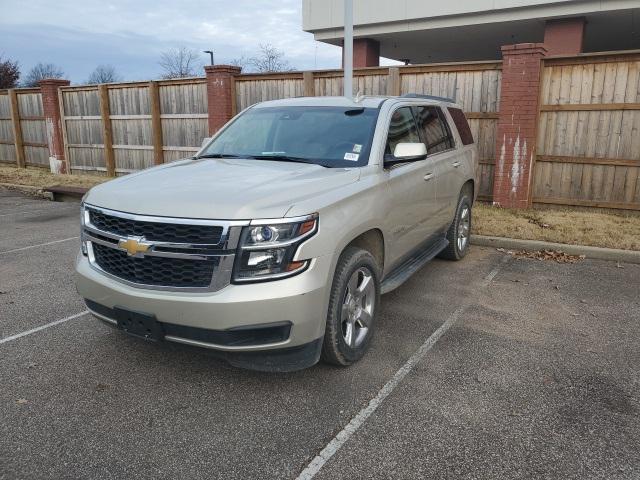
x=134 y=246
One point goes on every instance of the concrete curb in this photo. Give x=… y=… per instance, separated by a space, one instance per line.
x=610 y=254
x=29 y=190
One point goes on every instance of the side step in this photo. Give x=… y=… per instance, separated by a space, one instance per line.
x=403 y=272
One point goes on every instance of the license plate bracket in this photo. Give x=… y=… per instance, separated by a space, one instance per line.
x=139 y=324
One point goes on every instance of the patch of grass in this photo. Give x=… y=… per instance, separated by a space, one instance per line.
x=575 y=226
x=41 y=178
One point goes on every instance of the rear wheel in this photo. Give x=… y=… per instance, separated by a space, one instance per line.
x=459 y=233
x=355 y=295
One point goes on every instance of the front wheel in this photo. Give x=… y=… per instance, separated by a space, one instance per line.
x=355 y=295
x=459 y=233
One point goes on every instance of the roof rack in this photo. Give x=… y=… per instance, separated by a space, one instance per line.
x=429 y=97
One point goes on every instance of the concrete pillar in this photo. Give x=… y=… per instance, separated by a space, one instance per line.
x=517 y=124
x=220 y=94
x=564 y=36
x=53 y=120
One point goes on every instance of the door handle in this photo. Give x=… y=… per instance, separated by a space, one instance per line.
x=456 y=164
x=428 y=177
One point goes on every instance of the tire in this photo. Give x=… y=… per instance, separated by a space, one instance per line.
x=459 y=232
x=351 y=317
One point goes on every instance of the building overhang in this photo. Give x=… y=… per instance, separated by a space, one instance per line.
x=466 y=31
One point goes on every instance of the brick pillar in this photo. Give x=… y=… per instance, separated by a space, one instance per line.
x=220 y=94
x=517 y=124
x=366 y=53
x=564 y=36
x=53 y=119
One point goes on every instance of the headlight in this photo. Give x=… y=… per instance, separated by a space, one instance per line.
x=267 y=249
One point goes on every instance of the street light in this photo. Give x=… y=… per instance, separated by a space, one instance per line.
x=210 y=52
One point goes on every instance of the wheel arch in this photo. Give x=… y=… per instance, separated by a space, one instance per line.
x=372 y=241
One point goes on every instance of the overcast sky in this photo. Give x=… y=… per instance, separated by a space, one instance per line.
x=77 y=35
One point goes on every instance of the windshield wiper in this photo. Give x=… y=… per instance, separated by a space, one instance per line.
x=285 y=158
x=217 y=155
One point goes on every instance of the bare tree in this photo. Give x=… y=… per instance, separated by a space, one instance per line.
x=180 y=62
x=270 y=59
x=104 y=74
x=40 y=72
x=9 y=73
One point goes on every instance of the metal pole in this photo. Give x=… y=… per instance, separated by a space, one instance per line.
x=348 y=48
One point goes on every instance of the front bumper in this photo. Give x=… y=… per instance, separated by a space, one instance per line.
x=300 y=301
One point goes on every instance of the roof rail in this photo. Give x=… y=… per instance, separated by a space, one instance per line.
x=429 y=97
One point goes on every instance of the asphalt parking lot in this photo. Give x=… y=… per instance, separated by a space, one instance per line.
x=493 y=367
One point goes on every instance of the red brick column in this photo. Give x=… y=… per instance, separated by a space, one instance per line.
x=366 y=53
x=220 y=94
x=564 y=36
x=517 y=124
x=53 y=119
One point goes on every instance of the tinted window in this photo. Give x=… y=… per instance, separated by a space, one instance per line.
x=434 y=129
x=329 y=136
x=462 y=125
x=402 y=129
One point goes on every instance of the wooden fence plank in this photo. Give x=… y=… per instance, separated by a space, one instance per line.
x=578 y=107
x=156 y=123
x=17 y=128
x=393 y=82
x=309 y=84
x=107 y=132
x=587 y=203
x=621 y=162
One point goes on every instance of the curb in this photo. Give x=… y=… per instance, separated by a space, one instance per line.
x=29 y=190
x=610 y=254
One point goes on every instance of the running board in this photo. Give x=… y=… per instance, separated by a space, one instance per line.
x=414 y=263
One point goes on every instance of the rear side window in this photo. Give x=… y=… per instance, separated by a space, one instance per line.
x=434 y=129
x=402 y=129
x=462 y=125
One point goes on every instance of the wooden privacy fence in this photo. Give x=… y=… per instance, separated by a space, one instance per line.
x=121 y=128
x=475 y=85
x=588 y=136
x=23 y=135
x=589 y=132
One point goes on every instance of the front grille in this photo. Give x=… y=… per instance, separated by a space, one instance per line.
x=155 y=271
x=160 y=232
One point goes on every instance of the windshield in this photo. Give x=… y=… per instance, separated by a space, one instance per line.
x=327 y=136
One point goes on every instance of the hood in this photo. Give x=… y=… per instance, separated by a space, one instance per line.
x=225 y=189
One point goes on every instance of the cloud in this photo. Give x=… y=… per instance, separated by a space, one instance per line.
x=78 y=35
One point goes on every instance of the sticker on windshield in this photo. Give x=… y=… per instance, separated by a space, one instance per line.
x=351 y=156
x=357 y=148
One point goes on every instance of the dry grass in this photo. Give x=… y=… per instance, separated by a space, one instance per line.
x=42 y=178
x=576 y=226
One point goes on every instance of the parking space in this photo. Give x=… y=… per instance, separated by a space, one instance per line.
x=534 y=374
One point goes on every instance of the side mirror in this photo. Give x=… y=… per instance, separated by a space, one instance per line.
x=205 y=140
x=407 y=152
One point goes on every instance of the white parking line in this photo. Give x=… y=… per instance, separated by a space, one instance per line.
x=42 y=327
x=39 y=245
x=356 y=422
